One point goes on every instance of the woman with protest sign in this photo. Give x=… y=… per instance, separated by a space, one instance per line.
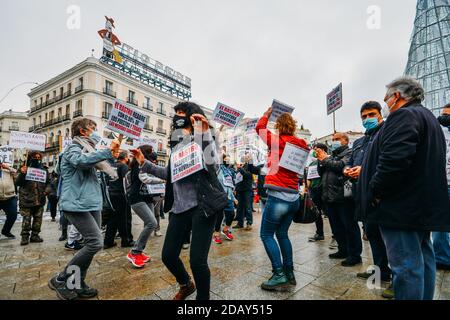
x=34 y=184
x=283 y=196
x=194 y=196
x=139 y=194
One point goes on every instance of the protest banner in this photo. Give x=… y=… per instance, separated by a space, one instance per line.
x=294 y=158
x=25 y=140
x=36 y=175
x=239 y=178
x=313 y=173
x=227 y=116
x=156 y=188
x=236 y=142
x=146 y=141
x=278 y=108
x=186 y=161
x=6 y=155
x=126 y=120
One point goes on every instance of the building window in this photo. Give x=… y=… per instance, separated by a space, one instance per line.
x=79 y=105
x=161 y=108
x=69 y=87
x=109 y=89
x=54 y=94
x=131 y=97
x=80 y=82
x=68 y=109
x=107 y=107
x=35 y=103
x=147 y=104
x=160 y=145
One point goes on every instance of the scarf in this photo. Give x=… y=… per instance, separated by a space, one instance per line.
x=88 y=146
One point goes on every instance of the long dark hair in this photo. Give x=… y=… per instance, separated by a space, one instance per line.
x=148 y=152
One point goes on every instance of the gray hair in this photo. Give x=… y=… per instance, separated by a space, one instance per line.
x=409 y=88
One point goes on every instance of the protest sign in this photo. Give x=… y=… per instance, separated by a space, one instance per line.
x=25 y=140
x=239 y=178
x=334 y=99
x=146 y=141
x=294 y=158
x=186 y=161
x=228 y=182
x=126 y=120
x=156 y=188
x=36 y=175
x=236 y=142
x=227 y=116
x=278 y=108
x=251 y=124
x=313 y=173
x=6 y=155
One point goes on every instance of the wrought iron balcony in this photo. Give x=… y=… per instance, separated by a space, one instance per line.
x=78 y=113
x=109 y=92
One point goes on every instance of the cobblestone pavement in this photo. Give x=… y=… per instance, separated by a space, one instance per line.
x=237 y=269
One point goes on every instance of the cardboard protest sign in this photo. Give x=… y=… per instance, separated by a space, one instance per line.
x=146 y=141
x=313 y=173
x=239 y=178
x=227 y=116
x=36 y=175
x=294 y=158
x=278 y=108
x=105 y=143
x=156 y=188
x=126 y=120
x=6 y=155
x=236 y=142
x=186 y=161
x=25 y=140
x=251 y=124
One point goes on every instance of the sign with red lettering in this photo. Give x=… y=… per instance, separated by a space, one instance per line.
x=36 y=175
x=126 y=120
x=227 y=116
x=186 y=161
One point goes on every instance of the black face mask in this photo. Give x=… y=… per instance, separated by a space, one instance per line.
x=35 y=163
x=444 y=120
x=179 y=122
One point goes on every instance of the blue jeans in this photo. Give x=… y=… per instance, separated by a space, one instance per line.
x=441 y=245
x=411 y=258
x=276 y=220
x=379 y=254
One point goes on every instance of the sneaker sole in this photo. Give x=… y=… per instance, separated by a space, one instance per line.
x=61 y=297
x=135 y=265
x=226 y=236
x=281 y=288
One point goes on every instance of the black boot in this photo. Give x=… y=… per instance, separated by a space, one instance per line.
x=289 y=271
x=278 y=281
x=63 y=235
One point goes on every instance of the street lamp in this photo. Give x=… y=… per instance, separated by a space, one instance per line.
x=20 y=84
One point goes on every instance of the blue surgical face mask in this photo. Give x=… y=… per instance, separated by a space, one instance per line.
x=335 y=145
x=95 y=136
x=370 y=123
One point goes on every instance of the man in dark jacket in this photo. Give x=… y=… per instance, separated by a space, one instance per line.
x=32 y=195
x=372 y=122
x=403 y=188
x=340 y=210
x=244 y=194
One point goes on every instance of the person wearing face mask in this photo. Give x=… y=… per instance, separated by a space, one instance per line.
x=32 y=197
x=81 y=202
x=441 y=240
x=404 y=189
x=372 y=121
x=193 y=201
x=340 y=210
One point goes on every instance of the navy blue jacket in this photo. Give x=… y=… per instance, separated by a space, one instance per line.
x=403 y=181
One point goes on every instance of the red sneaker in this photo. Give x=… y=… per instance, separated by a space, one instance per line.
x=136 y=260
x=217 y=240
x=145 y=258
x=228 y=235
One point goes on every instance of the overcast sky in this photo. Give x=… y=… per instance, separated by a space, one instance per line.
x=243 y=53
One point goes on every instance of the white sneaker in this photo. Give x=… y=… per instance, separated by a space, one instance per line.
x=186 y=246
x=158 y=234
x=333 y=244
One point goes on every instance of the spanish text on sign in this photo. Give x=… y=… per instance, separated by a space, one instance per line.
x=127 y=121
x=294 y=158
x=186 y=161
x=227 y=116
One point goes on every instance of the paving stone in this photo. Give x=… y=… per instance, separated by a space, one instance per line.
x=311 y=292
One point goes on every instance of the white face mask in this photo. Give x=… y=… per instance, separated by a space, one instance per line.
x=386 y=111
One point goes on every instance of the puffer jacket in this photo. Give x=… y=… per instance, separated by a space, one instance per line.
x=331 y=170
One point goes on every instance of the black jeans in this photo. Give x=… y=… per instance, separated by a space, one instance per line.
x=379 y=254
x=53 y=200
x=345 y=228
x=202 y=230
x=228 y=212
x=118 y=220
x=244 y=207
x=316 y=198
x=10 y=208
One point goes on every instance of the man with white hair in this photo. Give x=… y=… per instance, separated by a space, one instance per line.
x=404 y=188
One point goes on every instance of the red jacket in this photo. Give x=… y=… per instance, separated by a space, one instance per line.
x=278 y=177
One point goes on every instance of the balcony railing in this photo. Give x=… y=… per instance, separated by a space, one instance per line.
x=148 y=127
x=105 y=115
x=160 y=111
x=52 y=146
x=35 y=127
x=78 y=113
x=67 y=94
x=132 y=101
x=58 y=98
x=162 y=152
x=79 y=89
x=147 y=106
x=161 y=131
x=109 y=92
x=13 y=128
